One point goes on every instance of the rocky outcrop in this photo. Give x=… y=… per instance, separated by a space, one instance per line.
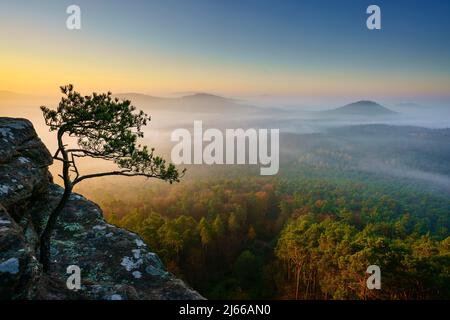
x=114 y=263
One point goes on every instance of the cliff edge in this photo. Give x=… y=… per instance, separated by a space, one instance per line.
x=115 y=263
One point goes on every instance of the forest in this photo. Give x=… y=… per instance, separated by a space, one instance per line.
x=301 y=235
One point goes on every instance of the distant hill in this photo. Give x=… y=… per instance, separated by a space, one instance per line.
x=362 y=108
x=194 y=103
x=207 y=97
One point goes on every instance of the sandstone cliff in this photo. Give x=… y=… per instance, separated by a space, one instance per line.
x=115 y=263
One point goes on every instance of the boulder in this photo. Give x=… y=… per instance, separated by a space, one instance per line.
x=115 y=263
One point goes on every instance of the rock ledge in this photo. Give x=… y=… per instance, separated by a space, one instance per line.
x=115 y=263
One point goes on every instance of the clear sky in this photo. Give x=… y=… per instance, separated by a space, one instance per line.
x=234 y=47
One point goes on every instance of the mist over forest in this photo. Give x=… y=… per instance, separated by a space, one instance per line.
x=360 y=183
x=406 y=140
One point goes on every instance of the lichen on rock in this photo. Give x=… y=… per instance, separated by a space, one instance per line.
x=115 y=263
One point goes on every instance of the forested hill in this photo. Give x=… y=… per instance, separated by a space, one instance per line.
x=343 y=200
x=420 y=155
x=248 y=238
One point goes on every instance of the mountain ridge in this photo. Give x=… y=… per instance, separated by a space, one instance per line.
x=195 y=103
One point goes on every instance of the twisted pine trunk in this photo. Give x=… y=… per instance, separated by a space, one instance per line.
x=51 y=223
x=46 y=235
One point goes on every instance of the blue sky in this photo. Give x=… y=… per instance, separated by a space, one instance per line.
x=257 y=43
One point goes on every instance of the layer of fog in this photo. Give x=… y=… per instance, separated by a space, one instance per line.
x=437 y=179
x=225 y=114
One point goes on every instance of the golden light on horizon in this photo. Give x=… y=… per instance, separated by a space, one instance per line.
x=31 y=67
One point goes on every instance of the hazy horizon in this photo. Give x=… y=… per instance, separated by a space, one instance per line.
x=227 y=48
